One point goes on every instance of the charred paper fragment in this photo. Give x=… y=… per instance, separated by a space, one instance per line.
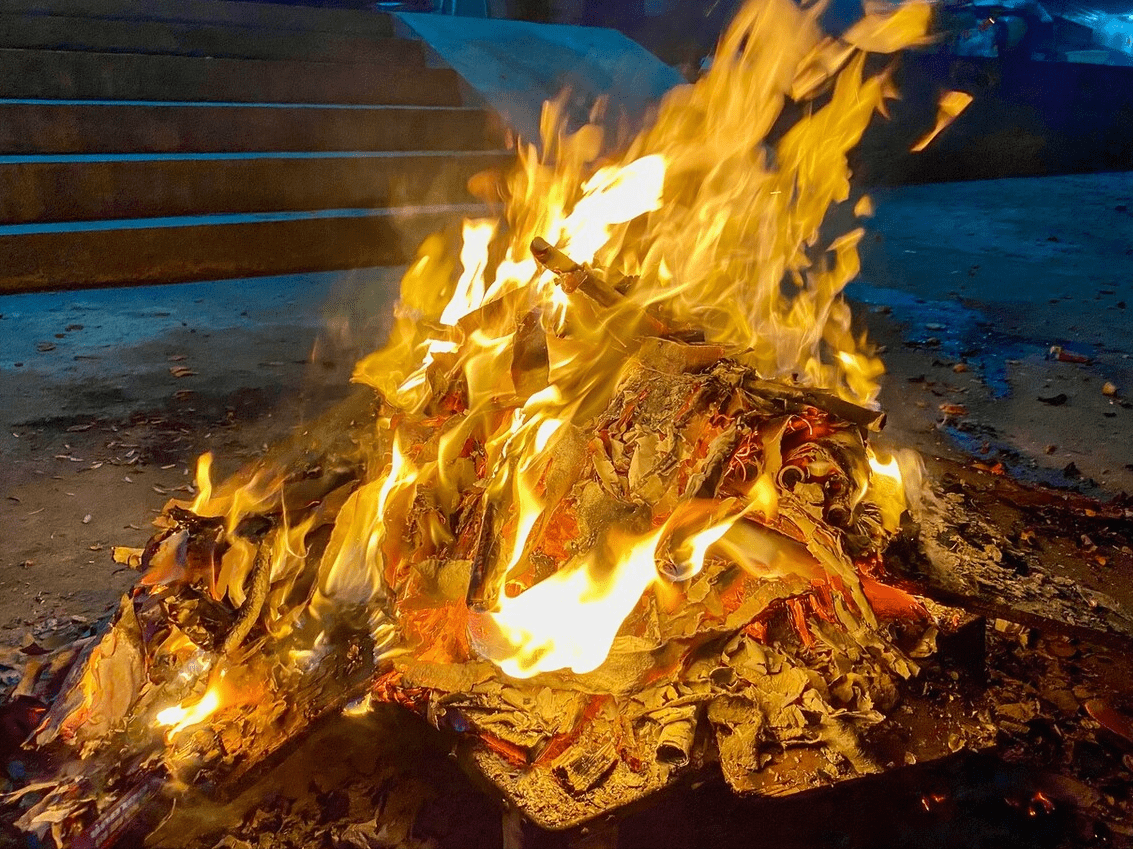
x=738 y=724
x=678 y=731
x=102 y=685
x=579 y=768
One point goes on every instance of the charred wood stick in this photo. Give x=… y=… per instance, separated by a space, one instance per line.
x=574 y=277
x=1045 y=625
x=862 y=416
x=253 y=603
x=475 y=597
x=193 y=523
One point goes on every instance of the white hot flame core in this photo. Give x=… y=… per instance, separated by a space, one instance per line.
x=180 y=717
x=570 y=619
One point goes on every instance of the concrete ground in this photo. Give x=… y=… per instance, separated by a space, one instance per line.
x=970 y=286
x=107 y=397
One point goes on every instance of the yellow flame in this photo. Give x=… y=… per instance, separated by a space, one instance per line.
x=887 y=488
x=570 y=619
x=203 y=481
x=720 y=228
x=710 y=219
x=612 y=196
x=351 y=570
x=764 y=497
x=696 y=548
x=182 y=716
x=470 y=288
x=952 y=103
x=690 y=554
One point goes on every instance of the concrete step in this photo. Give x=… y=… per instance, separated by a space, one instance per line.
x=69 y=74
x=63 y=32
x=164 y=141
x=91 y=187
x=42 y=257
x=32 y=127
x=221 y=12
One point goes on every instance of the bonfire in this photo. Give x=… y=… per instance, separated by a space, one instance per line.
x=607 y=503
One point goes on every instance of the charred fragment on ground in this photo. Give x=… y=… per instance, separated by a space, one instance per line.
x=1006 y=549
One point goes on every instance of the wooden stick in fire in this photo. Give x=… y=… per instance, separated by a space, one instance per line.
x=864 y=417
x=572 y=276
x=475 y=597
x=253 y=603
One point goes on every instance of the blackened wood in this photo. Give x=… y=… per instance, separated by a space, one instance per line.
x=476 y=597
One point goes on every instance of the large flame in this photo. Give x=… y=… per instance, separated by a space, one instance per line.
x=710 y=219
x=570 y=619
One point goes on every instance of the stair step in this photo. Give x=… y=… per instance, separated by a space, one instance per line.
x=77 y=255
x=61 y=32
x=87 y=187
x=162 y=141
x=76 y=126
x=221 y=12
x=71 y=74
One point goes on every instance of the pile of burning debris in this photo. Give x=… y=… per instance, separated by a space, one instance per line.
x=753 y=513
x=609 y=520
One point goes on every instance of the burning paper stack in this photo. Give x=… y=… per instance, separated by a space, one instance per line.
x=610 y=508
x=717 y=531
